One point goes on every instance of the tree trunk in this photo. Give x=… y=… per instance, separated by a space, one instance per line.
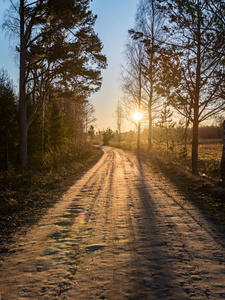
x=43 y=127
x=150 y=129
x=223 y=156
x=195 y=147
x=119 y=133
x=196 y=100
x=151 y=79
x=186 y=134
x=139 y=106
x=23 y=126
x=138 y=138
x=150 y=109
x=23 y=140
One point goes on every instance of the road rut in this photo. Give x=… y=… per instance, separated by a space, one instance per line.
x=123 y=231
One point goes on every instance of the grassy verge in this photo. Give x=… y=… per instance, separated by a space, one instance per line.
x=25 y=196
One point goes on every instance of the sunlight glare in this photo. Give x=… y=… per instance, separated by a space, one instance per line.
x=137 y=116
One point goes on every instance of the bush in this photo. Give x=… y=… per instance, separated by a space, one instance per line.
x=108 y=135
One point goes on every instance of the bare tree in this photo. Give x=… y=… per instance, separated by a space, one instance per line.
x=133 y=83
x=119 y=119
x=149 y=31
x=89 y=116
x=193 y=69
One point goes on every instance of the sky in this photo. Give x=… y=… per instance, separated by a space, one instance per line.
x=7 y=57
x=115 y=18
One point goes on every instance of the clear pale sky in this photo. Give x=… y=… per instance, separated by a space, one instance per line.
x=115 y=17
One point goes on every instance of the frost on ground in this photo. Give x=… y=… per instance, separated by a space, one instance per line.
x=121 y=232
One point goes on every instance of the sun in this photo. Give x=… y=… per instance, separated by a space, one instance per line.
x=137 y=116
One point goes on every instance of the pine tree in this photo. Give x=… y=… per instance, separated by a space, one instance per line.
x=56 y=127
x=91 y=132
x=166 y=123
x=108 y=135
x=58 y=46
x=8 y=123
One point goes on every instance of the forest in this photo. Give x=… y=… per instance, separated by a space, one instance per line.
x=60 y=64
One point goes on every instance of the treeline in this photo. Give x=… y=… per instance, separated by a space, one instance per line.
x=175 y=62
x=170 y=135
x=60 y=67
x=59 y=130
x=211 y=132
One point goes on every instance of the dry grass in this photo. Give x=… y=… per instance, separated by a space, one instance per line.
x=209 y=159
x=210 y=153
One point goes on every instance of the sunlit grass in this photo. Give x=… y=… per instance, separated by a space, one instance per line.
x=210 y=153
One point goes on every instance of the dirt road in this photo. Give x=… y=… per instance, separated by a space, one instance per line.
x=121 y=232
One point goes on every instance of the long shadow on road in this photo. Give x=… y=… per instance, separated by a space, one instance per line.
x=161 y=278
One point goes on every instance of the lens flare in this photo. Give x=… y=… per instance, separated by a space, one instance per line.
x=137 y=116
x=81 y=218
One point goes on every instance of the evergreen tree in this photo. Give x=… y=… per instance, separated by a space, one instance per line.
x=108 y=135
x=119 y=119
x=58 y=46
x=8 y=122
x=56 y=127
x=35 y=146
x=166 y=123
x=75 y=120
x=91 y=132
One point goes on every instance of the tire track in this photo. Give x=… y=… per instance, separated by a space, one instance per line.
x=124 y=189
x=59 y=237
x=153 y=208
x=167 y=211
x=121 y=232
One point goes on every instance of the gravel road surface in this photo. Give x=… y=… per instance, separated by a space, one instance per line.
x=123 y=231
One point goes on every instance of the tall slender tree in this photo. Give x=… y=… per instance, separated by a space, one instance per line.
x=166 y=123
x=148 y=30
x=193 y=70
x=56 y=127
x=58 y=45
x=133 y=82
x=119 y=119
